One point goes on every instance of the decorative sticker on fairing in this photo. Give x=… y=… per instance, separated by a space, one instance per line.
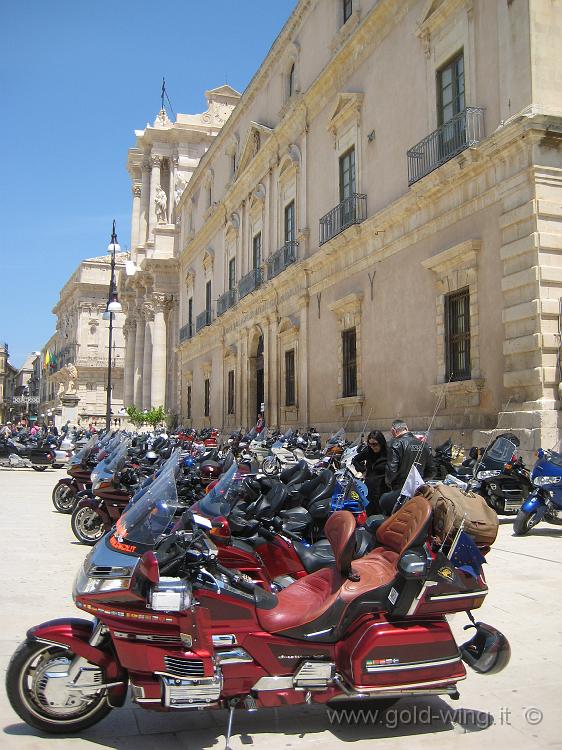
x=393 y=595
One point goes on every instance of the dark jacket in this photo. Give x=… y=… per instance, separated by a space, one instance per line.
x=403 y=452
x=373 y=465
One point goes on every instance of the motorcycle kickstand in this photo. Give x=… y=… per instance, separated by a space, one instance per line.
x=231 y=706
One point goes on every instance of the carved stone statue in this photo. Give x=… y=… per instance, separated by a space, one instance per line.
x=161 y=203
x=181 y=182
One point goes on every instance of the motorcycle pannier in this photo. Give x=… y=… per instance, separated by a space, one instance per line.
x=451 y=505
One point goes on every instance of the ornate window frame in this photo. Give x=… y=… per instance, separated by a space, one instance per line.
x=345 y=128
x=454 y=269
x=288 y=336
x=348 y=313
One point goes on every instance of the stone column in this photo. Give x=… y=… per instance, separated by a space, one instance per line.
x=243 y=378
x=303 y=362
x=145 y=202
x=139 y=360
x=147 y=360
x=154 y=183
x=130 y=332
x=159 y=351
x=273 y=373
x=135 y=218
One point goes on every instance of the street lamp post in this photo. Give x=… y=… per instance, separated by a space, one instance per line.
x=113 y=306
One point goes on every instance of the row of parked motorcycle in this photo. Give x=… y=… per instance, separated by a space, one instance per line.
x=214 y=585
x=497 y=473
x=22 y=450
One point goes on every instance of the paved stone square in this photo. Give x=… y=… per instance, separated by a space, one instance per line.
x=518 y=708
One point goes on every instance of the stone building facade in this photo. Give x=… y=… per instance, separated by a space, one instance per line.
x=80 y=346
x=376 y=230
x=161 y=165
x=8 y=375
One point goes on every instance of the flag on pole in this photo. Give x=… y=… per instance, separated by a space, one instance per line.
x=413 y=481
x=47 y=360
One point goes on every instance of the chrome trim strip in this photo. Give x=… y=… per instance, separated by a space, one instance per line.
x=52 y=643
x=411 y=665
x=400 y=688
x=276 y=682
x=234 y=656
x=465 y=595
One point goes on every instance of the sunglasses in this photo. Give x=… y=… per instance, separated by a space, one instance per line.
x=373 y=443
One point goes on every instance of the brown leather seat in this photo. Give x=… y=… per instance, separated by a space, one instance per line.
x=318 y=601
x=327 y=592
x=406 y=527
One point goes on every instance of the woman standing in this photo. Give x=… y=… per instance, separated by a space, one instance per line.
x=371 y=462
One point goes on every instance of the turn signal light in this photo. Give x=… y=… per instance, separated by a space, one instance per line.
x=220 y=530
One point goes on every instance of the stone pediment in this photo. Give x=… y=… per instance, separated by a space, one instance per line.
x=346 y=109
x=435 y=15
x=224 y=91
x=256 y=136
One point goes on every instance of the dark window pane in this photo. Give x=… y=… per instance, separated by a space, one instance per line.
x=457 y=335
x=207 y=397
x=189 y=402
x=347 y=9
x=347 y=174
x=349 y=347
x=450 y=85
x=290 y=377
x=290 y=222
x=208 y=297
x=230 y=392
x=231 y=274
x=256 y=250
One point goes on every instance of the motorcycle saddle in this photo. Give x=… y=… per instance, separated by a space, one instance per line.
x=316 y=606
x=296 y=474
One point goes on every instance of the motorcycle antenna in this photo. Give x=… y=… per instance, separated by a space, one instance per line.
x=437 y=407
x=367 y=421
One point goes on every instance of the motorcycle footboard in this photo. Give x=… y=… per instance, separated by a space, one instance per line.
x=401 y=655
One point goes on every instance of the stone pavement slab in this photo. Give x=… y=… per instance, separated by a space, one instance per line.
x=517 y=708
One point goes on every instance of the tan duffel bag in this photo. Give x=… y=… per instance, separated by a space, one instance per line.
x=451 y=505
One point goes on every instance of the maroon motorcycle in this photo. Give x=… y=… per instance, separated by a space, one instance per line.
x=67 y=489
x=186 y=632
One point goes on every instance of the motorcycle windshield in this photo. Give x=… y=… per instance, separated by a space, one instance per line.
x=152 y=514
x=262 y=436
x=219 y=501
x=103 y=468
x=337 y=437
x=82 y=455
x=502 y=450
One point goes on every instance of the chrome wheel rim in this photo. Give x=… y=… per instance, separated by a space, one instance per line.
x=88 y=524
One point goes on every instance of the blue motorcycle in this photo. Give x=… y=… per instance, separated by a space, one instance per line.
x=545 y=501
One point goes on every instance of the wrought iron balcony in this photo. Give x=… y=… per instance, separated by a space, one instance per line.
x=186 y=332
x=281 y=259
x=249 y=282
x=225 y=301
x=203 y=319
x=352 y=210
x=461 y=131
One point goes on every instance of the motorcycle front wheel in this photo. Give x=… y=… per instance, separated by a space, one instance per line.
x=524 y=522
x=87 y=526
x=32 y=685
x=64 y=497
x=269 y=466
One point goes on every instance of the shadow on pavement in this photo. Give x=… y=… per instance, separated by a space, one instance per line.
x=206 y=729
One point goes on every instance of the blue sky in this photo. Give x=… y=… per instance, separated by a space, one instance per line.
x=76 y=79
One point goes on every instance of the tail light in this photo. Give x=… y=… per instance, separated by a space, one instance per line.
x=220 y=530
x=361 y=518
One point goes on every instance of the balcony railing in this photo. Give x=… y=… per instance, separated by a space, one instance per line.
x=249 y=282
x=186 y=332
x=203 y=319
x=461 y=131
x=352 y=210
x=226 y=301
x=279 y=261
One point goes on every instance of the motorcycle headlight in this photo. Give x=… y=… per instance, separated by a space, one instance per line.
x=487 y=474
x=542 y=481
x=84 y=583
x=170 y=595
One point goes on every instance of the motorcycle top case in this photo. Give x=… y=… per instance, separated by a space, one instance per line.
x=452 y=505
